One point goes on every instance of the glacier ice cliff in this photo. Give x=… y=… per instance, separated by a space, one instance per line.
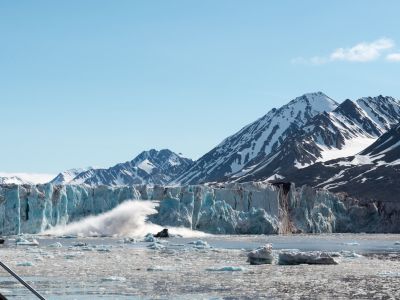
x=245 y=208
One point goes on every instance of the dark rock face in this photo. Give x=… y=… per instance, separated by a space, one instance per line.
x=162 y=234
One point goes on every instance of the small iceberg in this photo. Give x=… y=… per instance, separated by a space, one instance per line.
x=149 y=238
x=389 y=274
x=55 y=245
x=156 y=246
x=79 y=244
x=261 y=255
x=25 y=264
x=295 y=257
x=350 y=254
x=157 y=269
x=20 y=241
x=352 y=244
x=129 y=241
x=114 y=278
x=199 y=244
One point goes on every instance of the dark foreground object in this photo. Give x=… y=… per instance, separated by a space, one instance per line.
x=13 y=274
x=162 y=234
x=1 y=243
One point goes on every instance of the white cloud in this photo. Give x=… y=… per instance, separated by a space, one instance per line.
x=31 y=177
x=361 y=52
x=394 y=57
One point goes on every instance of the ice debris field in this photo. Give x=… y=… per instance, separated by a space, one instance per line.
x=284 y=267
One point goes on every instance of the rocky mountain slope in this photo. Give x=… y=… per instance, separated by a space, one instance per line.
x=373 y=174
x=309 y=129
x=262 y=137
x=67 y=176
x=345 y=131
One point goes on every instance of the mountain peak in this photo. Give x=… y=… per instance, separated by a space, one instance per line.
x=317 y=101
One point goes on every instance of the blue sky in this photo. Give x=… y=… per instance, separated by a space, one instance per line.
x=96 y=82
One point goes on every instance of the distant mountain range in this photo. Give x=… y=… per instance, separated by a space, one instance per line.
x=311 y=140
x=149 y=167
x=13 y=180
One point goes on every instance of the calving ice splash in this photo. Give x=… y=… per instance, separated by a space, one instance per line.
x=129 y=219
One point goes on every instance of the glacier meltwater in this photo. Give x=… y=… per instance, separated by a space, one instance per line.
x=247 y=208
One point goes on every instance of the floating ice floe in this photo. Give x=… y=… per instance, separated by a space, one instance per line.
x=20 y=241
x=103 y=249
x=397 y=243
x=79 y=244
x=351 y=244
x=114 y=278
x=129 y=241
x=86 y=248
x=158 y=269
x=350 y=254
x=200 y=244
x=261 y=255
x=55 y=245
x=389 y=274
x=227 y=269
x=295 y=257
x=156 y=246
x=25 y=264
x=68 y=236
x=149 y=238
x=73 y=255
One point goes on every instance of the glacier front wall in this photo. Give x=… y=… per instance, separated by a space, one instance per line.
x=247 y=208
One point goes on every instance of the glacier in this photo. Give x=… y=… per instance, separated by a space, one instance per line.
x=232 y=208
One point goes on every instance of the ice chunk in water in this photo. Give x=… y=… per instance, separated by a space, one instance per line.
x=156 y=246
x=227 y=269
x=149 y=238
x=352 y=244
x=20 y=241
x=200 y=244
x=158 y=269
x=79 y=244
x=129 y=241
x=114 y=278
x=389 y=274
x=260 y=256
x=56 y=245
x=350 y=254
x=25 y=264
x=310 y=258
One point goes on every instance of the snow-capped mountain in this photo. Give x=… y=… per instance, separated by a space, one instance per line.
x=13 y=180
x=345 y=131
x=149 y=167
x=373 y=174
x=67 y=176
x=255 y=141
